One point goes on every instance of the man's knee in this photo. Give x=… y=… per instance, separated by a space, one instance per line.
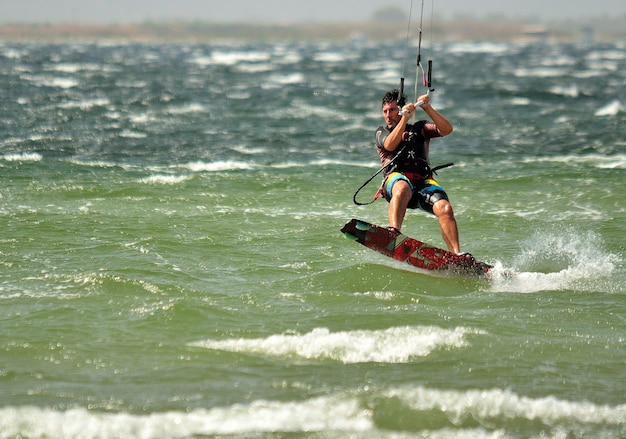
x=402 y=190
x=443 y=208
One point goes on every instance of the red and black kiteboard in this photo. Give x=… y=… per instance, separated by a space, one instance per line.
x=411 y=251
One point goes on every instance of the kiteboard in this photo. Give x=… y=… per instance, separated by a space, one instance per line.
x=394 y=244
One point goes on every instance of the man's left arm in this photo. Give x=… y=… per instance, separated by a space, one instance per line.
x=444 y=127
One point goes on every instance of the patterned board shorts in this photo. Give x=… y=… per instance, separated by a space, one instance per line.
x=426 y=192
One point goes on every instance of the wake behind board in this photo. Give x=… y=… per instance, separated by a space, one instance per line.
x=411 y=251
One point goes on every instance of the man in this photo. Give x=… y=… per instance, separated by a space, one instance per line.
x=403 y=148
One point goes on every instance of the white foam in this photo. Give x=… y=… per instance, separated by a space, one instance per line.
x=165 y=179
x=479 y=47
x=393 y=345
x=128 y=134
x=318 y=414
x=223 y=165
x=330 y=57
x=571 y=90
x=99 y=164
x=231 y=58
x=86 y=104
x=603 y=161
x=144 y=118
x=487 y=405
x=540 y=72
x=188 y=108
x=12 y=53
x=23 y=157
x=61 y=82
x=75 y=68
x=337 y=162
x=613 y=108
x=250 y=150
x=255 y=68
x=341 y=413
x=576 y=260
x=520 y=101
x=279 y=80
x=614 y=55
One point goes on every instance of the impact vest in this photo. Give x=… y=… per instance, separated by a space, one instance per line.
x=411 y=156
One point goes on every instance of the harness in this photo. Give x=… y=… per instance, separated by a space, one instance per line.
x=409 y=160
x=411 y=157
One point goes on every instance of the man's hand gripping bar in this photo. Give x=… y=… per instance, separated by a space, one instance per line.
x=417 y=104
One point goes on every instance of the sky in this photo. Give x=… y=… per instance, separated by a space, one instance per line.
x=290 y=11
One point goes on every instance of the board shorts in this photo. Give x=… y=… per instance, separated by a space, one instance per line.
x=426 y=192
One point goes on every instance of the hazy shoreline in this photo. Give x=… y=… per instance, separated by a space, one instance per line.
x=207 y=32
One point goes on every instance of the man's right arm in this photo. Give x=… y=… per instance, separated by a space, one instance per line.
x=394 y=139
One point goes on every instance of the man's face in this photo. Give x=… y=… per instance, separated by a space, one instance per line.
x=391 y=113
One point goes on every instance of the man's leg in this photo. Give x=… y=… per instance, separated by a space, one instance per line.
x=443 y=211
x=401 y=194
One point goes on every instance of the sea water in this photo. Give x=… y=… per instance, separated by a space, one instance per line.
x=171 y=264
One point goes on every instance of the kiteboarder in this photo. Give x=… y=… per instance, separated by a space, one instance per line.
x=404 y=152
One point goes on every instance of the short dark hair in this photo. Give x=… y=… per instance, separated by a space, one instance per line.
x=393 y=96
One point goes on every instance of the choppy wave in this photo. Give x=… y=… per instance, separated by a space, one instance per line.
x=434 y=413
x=600 y=161
x=221 y=165
x=23 y=157
x=613 y=108
x=165 y=179
x=393 y=345
x=320 y=414
x=496 y=406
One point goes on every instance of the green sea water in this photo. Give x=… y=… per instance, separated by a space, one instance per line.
x=171 y=264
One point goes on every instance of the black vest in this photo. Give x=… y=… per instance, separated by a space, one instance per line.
x=413 y=155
